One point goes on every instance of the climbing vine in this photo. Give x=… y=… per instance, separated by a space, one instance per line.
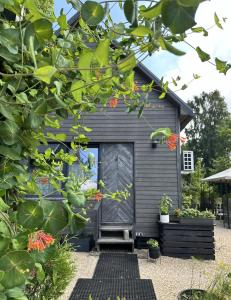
x=47 y=77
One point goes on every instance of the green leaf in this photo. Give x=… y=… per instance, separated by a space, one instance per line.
x=56 y=217
x=40 y=107
x=92 y=13
x=4 y=244
x=7 y=111
x=10 y=38
x=45 y=73
x=40 y=274
x=141 y=31
x=189 y=3
x=22 y=98
x=76 y=198
x=165 y=45
x=3 y=205
x=8 y=2
x=217 y=21
x=30 y=215
x=77 y=222
x=84 y=64
x=16 y=265
x=178 y=18
x=222 y=66
x=57 y=137
x=40 y=9
x=102 y=52
x=4 y=53
x=13 y=153
x=151 y=12
x=77 y=89
x=200 y=29
x=62 y=21
x=130 y=11
x=43 y=29
x=1 y=275
x=16 y=293
x=9 y=132
x=203 y=55
x=166 y=132
x=33 y=121
x=127 y=64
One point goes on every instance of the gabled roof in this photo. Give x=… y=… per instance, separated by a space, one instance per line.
x=185 y=111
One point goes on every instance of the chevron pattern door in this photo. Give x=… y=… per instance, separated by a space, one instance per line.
x=116 y=170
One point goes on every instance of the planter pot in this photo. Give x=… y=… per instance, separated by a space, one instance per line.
x=174 y=219
x=164 y=218
x=154 y=253
x=192 y=294
x=81 y=243
x=196 y=221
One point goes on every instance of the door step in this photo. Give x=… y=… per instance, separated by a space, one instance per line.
x=115 y=244
x=115 y=227
x=109 y=240
x=115 y=235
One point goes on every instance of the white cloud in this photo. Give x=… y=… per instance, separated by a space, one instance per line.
x=217 y=44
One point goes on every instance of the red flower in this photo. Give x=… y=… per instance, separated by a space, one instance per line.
x=172 y=141
x=98 y=196
x=113 y=102
x=39 y=240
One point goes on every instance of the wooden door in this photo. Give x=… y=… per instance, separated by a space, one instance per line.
x=116 y=171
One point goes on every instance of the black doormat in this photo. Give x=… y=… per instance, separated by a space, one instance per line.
x=105 y=289
x=117 y=266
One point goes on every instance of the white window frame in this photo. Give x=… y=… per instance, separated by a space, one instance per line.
x=188 y=161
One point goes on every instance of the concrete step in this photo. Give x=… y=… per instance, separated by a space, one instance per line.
x=115 y=227
x=114 y=240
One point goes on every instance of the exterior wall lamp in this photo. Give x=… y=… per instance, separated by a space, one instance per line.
x=155 y=142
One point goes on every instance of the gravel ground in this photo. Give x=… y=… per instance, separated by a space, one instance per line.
x=169 y=275
x=85 y=266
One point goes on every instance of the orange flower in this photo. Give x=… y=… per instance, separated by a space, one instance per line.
x=98 y=196
x=113 y=102
x=39 y=240
x=172 y=141
x=44 y=180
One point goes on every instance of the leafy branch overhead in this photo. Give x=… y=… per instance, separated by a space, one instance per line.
x=48 y=76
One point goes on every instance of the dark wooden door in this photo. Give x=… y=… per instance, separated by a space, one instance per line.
x=116 y=170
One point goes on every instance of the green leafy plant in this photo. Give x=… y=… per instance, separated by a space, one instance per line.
x=195 y=213
x=177 y=212
x=165 y=205
x=153 y=243
x=52 y=274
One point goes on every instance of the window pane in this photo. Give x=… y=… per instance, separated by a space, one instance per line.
x=78 y=171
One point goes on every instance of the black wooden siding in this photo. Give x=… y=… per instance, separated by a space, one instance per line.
x=156 y=171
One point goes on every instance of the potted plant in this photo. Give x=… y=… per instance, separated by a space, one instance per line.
x=175 y=217
x=165 y=204
x=153 y=248
x=192 y=294
x=192 y=216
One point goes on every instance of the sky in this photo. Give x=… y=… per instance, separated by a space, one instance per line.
x=217 y=44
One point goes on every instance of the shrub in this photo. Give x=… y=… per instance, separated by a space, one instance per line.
x=51 y=278
x=195 y=213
